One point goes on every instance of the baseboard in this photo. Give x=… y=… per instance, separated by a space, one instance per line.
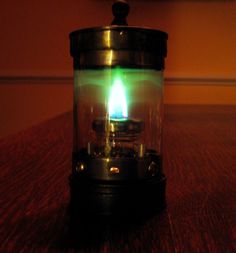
x=69 y=80
x=177 y=90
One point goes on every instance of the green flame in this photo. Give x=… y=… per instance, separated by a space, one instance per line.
x=117 y=104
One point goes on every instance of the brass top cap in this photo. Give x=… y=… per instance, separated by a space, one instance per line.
x=118 y=38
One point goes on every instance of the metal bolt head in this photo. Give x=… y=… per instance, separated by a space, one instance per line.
x=80 y=167
x=114 y=170
x=152 y=169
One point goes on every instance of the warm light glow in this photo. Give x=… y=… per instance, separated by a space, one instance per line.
x=118 y=109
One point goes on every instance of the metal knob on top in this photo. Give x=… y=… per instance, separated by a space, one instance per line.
x=120 y=10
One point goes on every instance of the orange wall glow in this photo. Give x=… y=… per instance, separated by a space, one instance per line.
x=200 y=68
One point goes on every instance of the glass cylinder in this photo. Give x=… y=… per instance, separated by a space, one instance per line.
x=118 y=105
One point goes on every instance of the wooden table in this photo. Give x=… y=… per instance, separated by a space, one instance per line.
x=199 y=162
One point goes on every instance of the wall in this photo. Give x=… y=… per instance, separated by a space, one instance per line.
x=36 y=69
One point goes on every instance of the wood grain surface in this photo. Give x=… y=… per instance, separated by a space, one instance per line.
x=199 y=162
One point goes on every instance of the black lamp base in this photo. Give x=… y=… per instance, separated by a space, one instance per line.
x=115 y=202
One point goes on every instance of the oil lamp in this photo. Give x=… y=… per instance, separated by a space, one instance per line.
x=117 y=154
